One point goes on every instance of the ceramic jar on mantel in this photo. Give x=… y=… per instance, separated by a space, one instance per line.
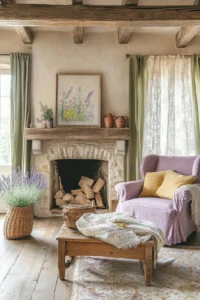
x=109 y=120
x=120 y=121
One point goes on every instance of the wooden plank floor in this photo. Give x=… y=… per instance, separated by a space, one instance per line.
x=28 y=267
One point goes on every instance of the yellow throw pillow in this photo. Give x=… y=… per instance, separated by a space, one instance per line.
x=171 y=183
x=152 y=182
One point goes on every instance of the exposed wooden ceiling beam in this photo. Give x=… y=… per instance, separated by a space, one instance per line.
x=26 y=35
x=185 y=35
x=45 y=2
x=129 y=2
x=166 y=2
x=77 y=1
x=124 y=34
x=78 y=35
x=102 y=2
x=4 y=2
x=81 y=15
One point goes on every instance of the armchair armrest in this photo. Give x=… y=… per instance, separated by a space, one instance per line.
x=182 y=195
x=129 y=190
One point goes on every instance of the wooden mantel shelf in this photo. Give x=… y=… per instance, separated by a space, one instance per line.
x=77 y=133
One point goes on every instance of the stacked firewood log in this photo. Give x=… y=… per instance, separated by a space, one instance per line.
x=88 y=193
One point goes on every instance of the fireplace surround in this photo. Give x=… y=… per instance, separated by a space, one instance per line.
x=46 y=151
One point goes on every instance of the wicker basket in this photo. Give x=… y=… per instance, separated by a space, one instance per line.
x=18 y=222
x=72 y=212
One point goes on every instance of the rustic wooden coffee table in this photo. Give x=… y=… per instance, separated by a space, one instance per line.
x=73 y=243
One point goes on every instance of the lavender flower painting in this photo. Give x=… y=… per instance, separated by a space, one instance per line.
x=78 y=100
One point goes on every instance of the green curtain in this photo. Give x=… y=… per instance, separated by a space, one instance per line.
x=20 y=109
x=138 y=86
x=196 y=98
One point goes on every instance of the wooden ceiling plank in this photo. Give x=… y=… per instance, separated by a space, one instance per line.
x=26 y=34
x=78 y=35
x=81 y=15
x=124 y=34
x=185 y=35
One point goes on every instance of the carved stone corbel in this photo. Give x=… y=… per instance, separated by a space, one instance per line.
x=120 y=147
x=37 y=147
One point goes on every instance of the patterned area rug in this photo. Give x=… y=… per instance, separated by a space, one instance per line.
x=177 y=277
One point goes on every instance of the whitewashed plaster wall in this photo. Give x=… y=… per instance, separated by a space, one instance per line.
x=54 y=52
x=10 y=42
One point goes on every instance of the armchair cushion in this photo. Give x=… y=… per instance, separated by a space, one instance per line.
x=152 y=182
x=171 y=183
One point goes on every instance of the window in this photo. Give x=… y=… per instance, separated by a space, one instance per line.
x=168 y=123
x=5 y=143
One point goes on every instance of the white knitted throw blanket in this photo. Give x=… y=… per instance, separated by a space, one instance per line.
x=195 y=204
x=121 y=230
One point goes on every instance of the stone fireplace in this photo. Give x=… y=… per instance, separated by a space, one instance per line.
x=46 y=152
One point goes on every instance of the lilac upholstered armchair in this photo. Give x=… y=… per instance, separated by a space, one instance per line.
x=173 y=217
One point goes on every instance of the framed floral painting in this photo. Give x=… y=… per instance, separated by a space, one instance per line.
x=78 y=100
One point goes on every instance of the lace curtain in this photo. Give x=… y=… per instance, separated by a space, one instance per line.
x=168 y=122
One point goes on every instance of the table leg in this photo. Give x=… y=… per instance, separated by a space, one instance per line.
x=61 y=259
x=148 y=265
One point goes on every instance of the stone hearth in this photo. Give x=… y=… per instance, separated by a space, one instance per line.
x=46 y=152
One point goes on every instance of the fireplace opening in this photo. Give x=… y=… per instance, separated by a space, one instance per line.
x=67 y=174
